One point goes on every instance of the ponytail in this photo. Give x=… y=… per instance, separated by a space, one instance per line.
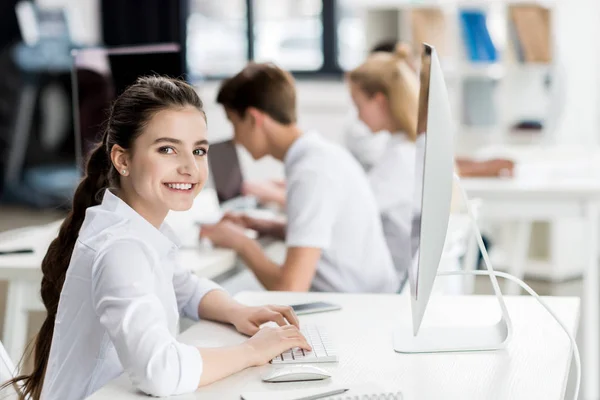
x=55 y=264
x=403 y=51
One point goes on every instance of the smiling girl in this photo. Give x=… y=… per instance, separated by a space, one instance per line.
x=112 y=286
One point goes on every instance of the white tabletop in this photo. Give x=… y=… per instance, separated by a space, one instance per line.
x=546 y=173
x=534 y=366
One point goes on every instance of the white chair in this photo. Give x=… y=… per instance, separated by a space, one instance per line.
x=7 y=372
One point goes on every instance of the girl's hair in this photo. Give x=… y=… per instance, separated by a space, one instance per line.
x=393 y=75
x=129 y=115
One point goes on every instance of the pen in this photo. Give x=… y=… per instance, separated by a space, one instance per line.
x=18 y=251
x=321 y=395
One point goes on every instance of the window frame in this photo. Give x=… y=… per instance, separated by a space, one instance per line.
x=330 y=69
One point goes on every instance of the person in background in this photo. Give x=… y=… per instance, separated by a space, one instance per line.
x=333 y=232
x=358 y=138
x=363 y=145
x=385 y=91
x=112 y=285
x=368 y=148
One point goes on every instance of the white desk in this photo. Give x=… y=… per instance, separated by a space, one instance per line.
x=24 y=275
x=552 y=183
x=534 y=366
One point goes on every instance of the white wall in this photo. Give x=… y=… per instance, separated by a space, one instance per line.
x=578 y=29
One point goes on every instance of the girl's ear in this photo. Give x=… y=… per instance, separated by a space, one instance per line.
x=120 y=159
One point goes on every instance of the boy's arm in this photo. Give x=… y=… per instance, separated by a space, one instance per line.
x=296 y=273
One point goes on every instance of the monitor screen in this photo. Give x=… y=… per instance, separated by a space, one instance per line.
x=225 y=169
x=100 y=75
x=424 y=78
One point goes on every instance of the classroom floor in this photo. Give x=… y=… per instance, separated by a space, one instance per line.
x=18 y=217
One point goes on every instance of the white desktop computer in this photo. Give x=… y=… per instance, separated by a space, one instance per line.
x=434 y=173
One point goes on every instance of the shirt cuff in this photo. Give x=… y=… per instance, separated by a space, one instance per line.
x=204 y=286
x=191 y=368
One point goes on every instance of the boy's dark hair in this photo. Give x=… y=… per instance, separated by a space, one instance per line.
x=265 y=87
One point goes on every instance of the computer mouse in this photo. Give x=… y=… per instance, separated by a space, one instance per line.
x=299 y=372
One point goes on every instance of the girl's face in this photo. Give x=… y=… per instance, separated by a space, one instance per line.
x=167 y=164
x=372 y=110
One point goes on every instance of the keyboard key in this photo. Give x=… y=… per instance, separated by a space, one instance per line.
x=321 y=343
x=298 y=353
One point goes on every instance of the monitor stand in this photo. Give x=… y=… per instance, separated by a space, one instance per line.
x=461 y=337
x=453 y=338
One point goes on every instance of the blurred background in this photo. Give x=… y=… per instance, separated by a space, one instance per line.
x=522 y=79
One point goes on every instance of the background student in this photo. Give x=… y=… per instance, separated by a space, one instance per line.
x=358 y=139
x=333 y=232
x=367 y=148
x=112 y=286
x=385 y=91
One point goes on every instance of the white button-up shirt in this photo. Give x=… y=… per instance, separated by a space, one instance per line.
x=119 y=309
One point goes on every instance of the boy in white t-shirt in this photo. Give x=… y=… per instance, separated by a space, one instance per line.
x=333 y=232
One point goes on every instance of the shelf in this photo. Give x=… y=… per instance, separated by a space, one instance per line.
x=486 y=70
x=529 y=67
x=486 y=131
x=397 y=4
x=485 y=3
x=407 y=4
x=492 y=71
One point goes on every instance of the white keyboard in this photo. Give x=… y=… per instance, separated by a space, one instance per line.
x=322 y=348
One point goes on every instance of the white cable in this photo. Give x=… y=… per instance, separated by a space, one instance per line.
x=493 y=274
x=537 y=297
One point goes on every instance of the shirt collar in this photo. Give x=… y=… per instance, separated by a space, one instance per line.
x=296 y=148
x=399 y=137
x=164 y=240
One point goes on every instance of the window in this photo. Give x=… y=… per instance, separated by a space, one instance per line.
x=216 y=37
x=298 y=35
x=350 y=35
x=289 y=33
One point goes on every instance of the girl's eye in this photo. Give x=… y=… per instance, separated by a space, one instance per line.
x=200 y=152
x=166 y=150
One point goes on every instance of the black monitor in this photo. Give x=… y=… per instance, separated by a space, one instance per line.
x=99 y=75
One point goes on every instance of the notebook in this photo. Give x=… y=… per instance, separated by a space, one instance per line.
x=368 y=391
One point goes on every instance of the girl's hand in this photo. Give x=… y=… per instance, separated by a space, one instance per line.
x=247 y=320
x=269 y=342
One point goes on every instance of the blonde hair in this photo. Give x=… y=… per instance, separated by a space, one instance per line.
x=393 y=75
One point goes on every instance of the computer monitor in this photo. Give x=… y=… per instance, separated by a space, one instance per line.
x=226 y=170
x=99 y=75
x=434 y=176
x=434 y=163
